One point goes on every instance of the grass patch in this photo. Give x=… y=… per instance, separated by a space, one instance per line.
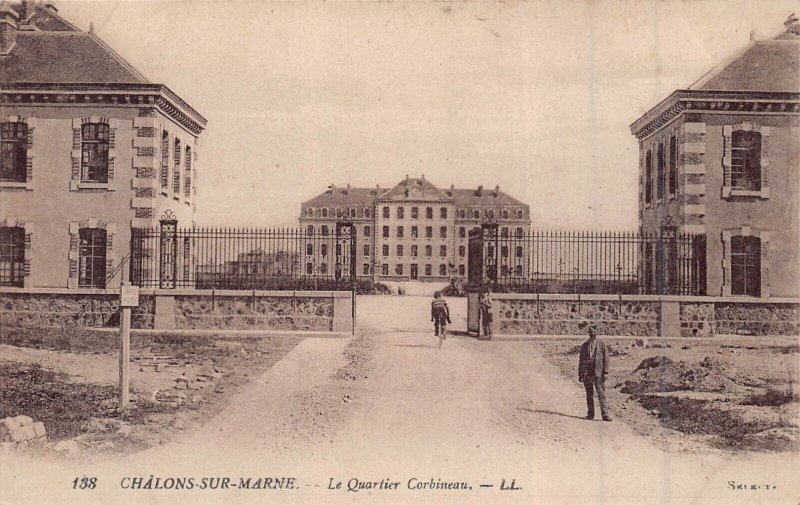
x=771 y=398
x=71 y=339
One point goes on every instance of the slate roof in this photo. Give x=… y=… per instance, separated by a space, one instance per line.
x=427 y=191
x=49 y=49
x=487 y=197
x=764 y=65
x=343 y=196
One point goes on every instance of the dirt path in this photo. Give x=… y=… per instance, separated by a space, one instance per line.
x=473 y=412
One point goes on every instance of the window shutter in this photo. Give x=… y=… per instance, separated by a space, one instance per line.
x=727 y=156
x=72 y=281
x=76 y=154
x=110 y=231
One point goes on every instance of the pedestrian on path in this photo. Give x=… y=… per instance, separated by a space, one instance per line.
x=485 y=312
x=440 y=315
x=592 y=371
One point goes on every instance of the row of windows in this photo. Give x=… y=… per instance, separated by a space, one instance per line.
x=353 y=212
x=324 y=230
x=177 y=187
x=662 y=175
x=400 y=212
x=399 y=269
x=415 y=250
x=490 y=214
x=91 y=257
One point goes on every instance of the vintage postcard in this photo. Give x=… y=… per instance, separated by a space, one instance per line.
x=313 y=252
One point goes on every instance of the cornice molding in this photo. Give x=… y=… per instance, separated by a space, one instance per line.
x=104 y=95
x=720 y=102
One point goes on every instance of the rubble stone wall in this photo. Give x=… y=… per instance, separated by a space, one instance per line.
x=91 y=309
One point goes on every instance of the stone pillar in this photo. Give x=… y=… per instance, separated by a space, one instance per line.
x=669 y=319
x=343 y=313
x=164 y=313
x=473 y=309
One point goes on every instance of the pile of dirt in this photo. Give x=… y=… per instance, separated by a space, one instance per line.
x=357 y=355
x=660 y=374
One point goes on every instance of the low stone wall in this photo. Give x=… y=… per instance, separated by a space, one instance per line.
x=630 y=315
x=174 y=309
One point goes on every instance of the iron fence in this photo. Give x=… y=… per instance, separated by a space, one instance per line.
x=596 y=262
x=238 y=258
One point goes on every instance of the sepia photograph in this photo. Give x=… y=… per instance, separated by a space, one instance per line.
x=399 y=252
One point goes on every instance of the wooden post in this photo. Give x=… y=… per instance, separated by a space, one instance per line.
x=128 y=297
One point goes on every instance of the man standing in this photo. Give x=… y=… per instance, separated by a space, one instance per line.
x=486 y=312
x=592 y=371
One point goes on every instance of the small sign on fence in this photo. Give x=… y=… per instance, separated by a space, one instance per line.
x=129 y=296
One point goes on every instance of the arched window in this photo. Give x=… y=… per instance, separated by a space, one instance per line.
x=176 y=172
x=92 y=258
x=746 y=160
x=187 y=179
x=745 y=265
x=12 y=256
x=164 y=160
x=94 y=152
x=648 y=177
x=14 y=152
x=673 y=165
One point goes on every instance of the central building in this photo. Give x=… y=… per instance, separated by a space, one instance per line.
x=414 y=231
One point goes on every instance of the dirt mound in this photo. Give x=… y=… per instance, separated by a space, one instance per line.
x=661 y=374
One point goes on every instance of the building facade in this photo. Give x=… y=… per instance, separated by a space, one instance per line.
x=721 y=159
x=414 y=230
x=90 y=148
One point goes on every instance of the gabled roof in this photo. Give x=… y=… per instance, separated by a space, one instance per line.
x=65 y=57
x=347 y=196
x=414 y=189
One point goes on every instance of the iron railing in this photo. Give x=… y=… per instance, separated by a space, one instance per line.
x=242 y=258
x=596 y=262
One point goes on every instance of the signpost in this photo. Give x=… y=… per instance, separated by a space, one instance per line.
x=128 y=297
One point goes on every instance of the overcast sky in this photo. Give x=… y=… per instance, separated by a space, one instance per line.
x=536 y=97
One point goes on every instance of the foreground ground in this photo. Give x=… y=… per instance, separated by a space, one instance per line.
x=389 y=405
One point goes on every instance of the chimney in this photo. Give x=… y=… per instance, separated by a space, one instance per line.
x=9 y=24
x=452 y=190
x=331 y=188
x=51 y=7
x=479 y=191
x=497 y=191
x=752 y=35
x=792 y=24
x=26 y=10
x=347 y=191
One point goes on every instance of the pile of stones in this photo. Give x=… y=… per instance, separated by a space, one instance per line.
x=22 y=430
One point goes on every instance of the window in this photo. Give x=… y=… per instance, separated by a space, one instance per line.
x=442 y=269
x=504 y=214
x=429 y=232
x=92 y=258
x=520 y=214
x=443 y=232
x=400 y=232
x=504 y=270
x=428 y=270
x=310 y=249
x=443 y=213
x=385 y=249
x=14 y=152
x=367 y=212
x=323 y=250
x=399 y=269
x=462 y=270
x=443 y=251
x=366 y=249
x=323 y=268
x=385 y=269
x=746 y=161
x=462 y=232
x=176 y=172
x=462 y=213
x=518 y=270
x=385 y=232
x=648 y=178
x=490 y=213
x=94 y=153
x=352 y=212
x=12 y=256
x=414 y=212
x=518 y=232
x=309 y=268
x=414 y=232
x=504 y=232
x=429 y=212
x=367 y=231
x=399 y=250
x=504 y=251
x=660 y=172
x=745 y=265
x=324 y=230
x=428 y=251
x=519 y=251
x=476 y=214
x=310 y=229
x=386 y=212
x=401 y=212
x=187 y=178
x=673 y=166
x=324 y=212
x=164 y=160
x=366 y=269
x=462 y=251
x=414 y=251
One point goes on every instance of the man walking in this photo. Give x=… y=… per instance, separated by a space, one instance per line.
x=592 y=371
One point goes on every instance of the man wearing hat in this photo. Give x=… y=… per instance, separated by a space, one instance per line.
x=592 y=371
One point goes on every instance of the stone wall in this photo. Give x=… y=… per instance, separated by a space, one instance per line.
x=627 y=315
x=229 y=310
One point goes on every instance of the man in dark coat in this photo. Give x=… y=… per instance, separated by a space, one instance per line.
x=592 y=371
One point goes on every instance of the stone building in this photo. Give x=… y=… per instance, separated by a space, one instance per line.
x=721 y=159
x=90 y=147
x=415 y=230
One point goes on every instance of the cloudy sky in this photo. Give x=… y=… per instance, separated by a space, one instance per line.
x=534 y=96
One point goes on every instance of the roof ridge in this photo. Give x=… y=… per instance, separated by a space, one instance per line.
x=118 y=57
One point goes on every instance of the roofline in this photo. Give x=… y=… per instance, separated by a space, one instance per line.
x=118 y=57
x=163 y=91
x=707 y=101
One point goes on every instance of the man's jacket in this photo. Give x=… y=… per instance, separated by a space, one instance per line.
x=601 y=360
